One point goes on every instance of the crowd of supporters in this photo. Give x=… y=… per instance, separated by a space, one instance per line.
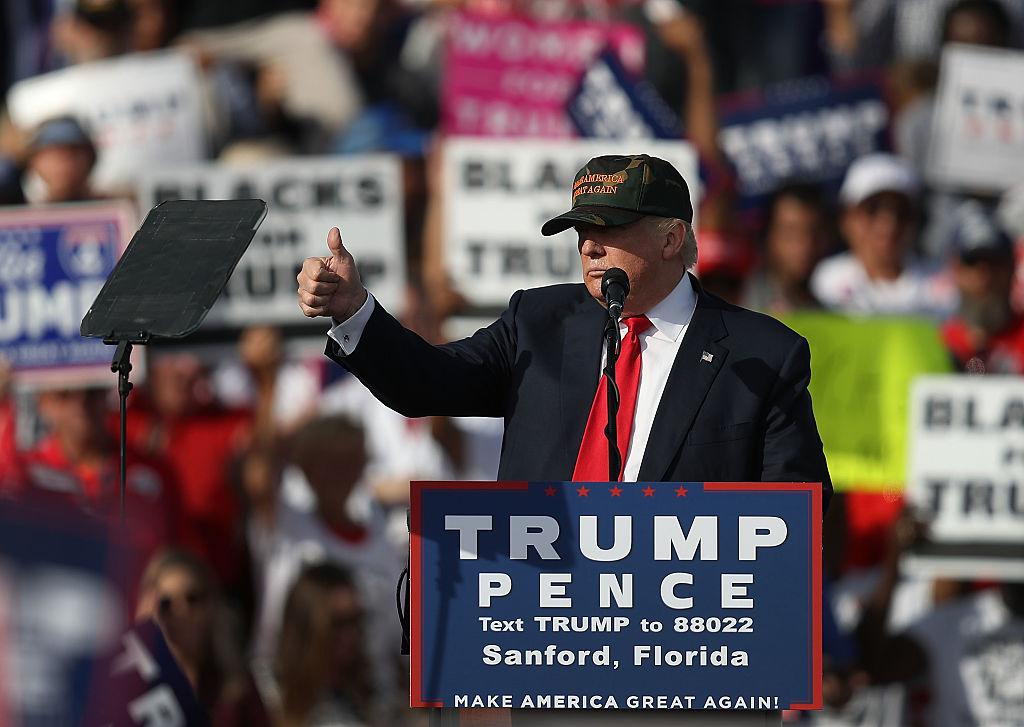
x=267 y=491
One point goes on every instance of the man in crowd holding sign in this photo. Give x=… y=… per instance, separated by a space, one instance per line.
x=723 y=391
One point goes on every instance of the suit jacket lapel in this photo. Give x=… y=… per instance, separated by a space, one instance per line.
x=581 y=365
x=688 y=383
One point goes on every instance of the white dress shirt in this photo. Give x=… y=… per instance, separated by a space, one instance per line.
x=659 y=345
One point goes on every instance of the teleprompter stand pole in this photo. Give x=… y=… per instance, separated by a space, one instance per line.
x=122 y=366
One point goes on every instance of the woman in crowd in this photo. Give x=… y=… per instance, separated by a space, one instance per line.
x=178 y=591
x=321 y=666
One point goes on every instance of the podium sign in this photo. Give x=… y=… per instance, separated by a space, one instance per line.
x=603 y=595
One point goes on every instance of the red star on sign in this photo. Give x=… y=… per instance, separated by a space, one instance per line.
x=680 y=491
x=550 y=491
x=582 y=491
x=616 y=491
x=648 y=491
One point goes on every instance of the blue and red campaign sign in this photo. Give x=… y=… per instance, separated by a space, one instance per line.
x=53 y=262
x=616 y=595
x=806 y=130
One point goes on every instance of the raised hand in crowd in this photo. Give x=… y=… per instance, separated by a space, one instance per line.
x=886 y=657
x=330 y=285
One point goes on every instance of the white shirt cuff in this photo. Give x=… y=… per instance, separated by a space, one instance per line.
x=347 y=333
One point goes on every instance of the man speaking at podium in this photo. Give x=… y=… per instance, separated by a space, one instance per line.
x=708 y=391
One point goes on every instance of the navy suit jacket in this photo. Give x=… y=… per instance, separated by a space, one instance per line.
x=742 y=414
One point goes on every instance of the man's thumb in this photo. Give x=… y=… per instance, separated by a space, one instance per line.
x=335 y=244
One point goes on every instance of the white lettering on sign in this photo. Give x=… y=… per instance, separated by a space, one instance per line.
x=493 y=585
x=157 y=708
x=469 y=527
x=812 y=144
x=34 y=311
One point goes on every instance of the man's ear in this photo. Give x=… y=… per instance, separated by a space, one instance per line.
x=674 y=240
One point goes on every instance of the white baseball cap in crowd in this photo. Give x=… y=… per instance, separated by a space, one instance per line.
x=874 y=173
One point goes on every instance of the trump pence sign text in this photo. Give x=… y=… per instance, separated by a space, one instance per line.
x=604 y=595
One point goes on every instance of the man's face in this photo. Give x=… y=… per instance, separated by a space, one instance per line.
x=651 y=260
x=984 y=283
x=332 y=478
x=974 y=29
x=65 y=170
x=795 y=240
x=181 y=604
x=74 y=415
x=878 y=230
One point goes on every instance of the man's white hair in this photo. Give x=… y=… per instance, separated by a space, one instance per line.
x=664 y=225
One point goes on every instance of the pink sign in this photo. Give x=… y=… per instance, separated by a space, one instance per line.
x=513 y=76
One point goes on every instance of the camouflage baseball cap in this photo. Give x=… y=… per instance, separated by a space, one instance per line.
x=617 y=190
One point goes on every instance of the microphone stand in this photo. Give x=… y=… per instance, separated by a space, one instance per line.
x=613 y=343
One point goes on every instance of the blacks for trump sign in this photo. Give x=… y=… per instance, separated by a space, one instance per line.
x=498 y=193
x=306 y=197
x=966 y=460
x=605 y=595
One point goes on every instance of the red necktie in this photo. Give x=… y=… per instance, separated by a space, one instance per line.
x=592 y=463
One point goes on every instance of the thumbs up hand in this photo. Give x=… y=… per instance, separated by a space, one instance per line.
x=330 y=285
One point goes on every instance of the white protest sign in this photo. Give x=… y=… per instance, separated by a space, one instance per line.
x=967 y=475
x=498 y=193
x=142 y=110
x=977 y=139
x=361 y=195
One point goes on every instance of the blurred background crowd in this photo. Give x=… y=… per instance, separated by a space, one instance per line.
x=267 y=491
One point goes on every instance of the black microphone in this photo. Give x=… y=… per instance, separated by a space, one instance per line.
x=615 y=288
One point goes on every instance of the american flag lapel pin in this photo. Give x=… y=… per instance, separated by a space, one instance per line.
x=707 y=356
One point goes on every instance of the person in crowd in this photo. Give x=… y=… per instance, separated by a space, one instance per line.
x=180 y=593
x=968 y=651
x=305 y=517
x=281 y=392
x=321 y=665
x=880 y=32
x=986 y=335
x=401 y=100
x=10 y=462
x=13 y=152
x=60 y=158
x=724 y=263
x=679 y=67
x=755 y=44
x=91 y=30
x=982 y=23
x=153 y=23
x=297 y=74
x=880 y=274
x=960 y=658
x=399 y=449
x=176 y=417
x=78 y=460
x=795 y=239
